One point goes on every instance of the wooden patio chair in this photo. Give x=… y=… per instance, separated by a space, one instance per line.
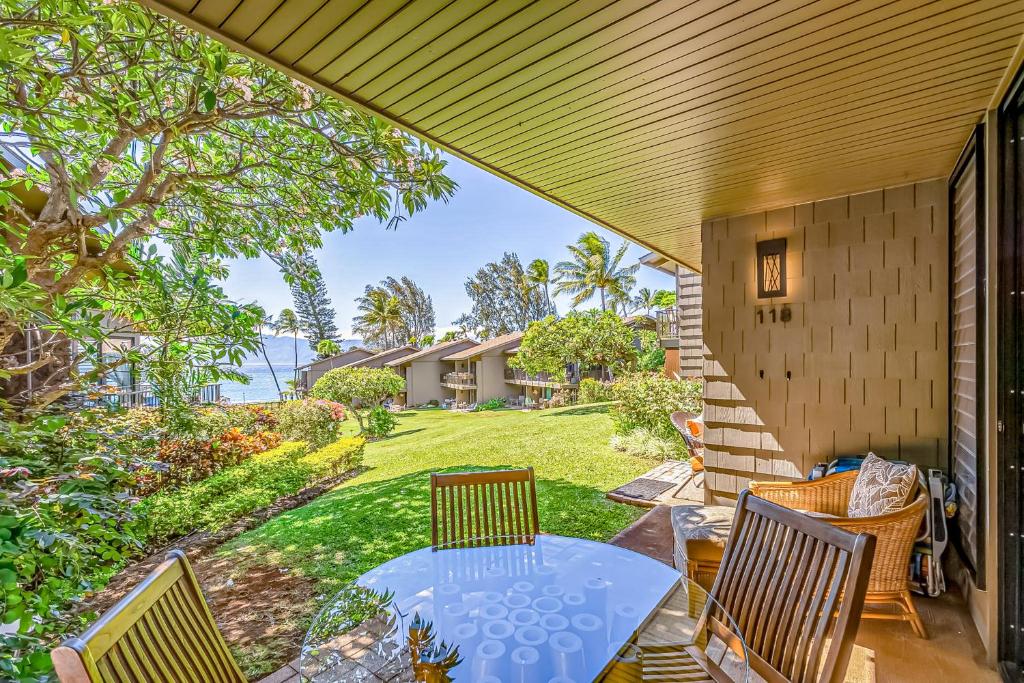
x=793 y=587
x=689 y=427
x=161 y=632
x=896 y=531
x=473 y=509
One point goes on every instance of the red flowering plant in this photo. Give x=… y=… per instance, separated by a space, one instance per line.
x=314 y=421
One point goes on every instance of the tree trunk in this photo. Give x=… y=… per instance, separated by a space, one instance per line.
x=295 y=371
x=604 y=307
x=273 y=374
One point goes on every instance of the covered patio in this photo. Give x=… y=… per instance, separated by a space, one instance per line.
x=842 y=175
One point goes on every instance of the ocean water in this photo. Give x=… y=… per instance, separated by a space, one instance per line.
x=261 y=387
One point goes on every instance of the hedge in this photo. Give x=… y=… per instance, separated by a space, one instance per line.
x=237 y=491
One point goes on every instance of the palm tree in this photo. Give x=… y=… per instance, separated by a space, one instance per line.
x=593 y=269
x=380 y=319
x=539 y=273
x=646 y=299
x=326 y=348
x=288 y=323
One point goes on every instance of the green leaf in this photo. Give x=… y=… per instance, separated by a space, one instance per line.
x=18 y=273
x=210 y=100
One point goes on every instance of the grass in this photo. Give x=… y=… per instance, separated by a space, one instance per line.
x=385 y=512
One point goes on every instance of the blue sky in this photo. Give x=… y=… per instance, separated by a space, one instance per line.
x=438 y=248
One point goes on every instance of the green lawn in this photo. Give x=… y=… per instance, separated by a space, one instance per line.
x=385 y=512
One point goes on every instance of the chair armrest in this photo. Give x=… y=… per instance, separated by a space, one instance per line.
x=830 y=495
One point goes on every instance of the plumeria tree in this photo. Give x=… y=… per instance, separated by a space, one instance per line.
x=581 y=339
x=144 y=132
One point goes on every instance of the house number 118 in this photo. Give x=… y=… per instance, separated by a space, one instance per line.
x=783 y=314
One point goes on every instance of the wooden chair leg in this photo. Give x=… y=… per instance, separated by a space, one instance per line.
x=914 y=617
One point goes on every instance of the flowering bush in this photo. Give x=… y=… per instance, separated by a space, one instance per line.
x=314 y=421
x=594 y=391
x=380 y=422
x=646 y=400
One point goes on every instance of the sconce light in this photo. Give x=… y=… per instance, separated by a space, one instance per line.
x=771 y=268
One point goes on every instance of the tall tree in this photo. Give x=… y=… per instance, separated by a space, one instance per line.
x=288 y=323
x=312 y=305
x=645 y=299
x=327 y=348
x=539 y=273
x=379 y=322
x=594 y=269
x=580 y=339
x=147 y=131
x=418 y=319
x=269 y=322
x=504 y=299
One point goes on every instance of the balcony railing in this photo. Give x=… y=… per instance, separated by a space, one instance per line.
x=142 y=396
x=668 y=324
x=458 y=380
x=540 y=379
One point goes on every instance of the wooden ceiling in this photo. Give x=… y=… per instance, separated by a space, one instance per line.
x=648 y=116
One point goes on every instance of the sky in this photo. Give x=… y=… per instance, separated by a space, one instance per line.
x=438 y=248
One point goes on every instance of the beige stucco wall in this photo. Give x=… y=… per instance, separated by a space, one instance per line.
x=320 y=368
x=490 y=378
x=423 y=382
x=865 y=349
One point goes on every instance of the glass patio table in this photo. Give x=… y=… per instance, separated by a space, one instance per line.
x=561 y=610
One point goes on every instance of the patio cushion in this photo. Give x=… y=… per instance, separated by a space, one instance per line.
x=699 y=534
x=881 y=487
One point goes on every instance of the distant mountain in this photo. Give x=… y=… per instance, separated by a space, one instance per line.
x=280 y=350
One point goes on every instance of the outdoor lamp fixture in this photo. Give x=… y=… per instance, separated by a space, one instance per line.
x=771 y=268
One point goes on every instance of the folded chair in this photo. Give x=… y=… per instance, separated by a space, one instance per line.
x=161 y=632
x=473 y=509
x=792 y=586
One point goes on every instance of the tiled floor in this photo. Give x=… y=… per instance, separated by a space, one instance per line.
x=885 y=651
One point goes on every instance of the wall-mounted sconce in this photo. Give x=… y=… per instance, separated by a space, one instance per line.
x=771 y=268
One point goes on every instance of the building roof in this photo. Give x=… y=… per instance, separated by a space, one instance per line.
x=650 y=118
x=640 y=321
x=430 y=350
x=497 y=344
x=344 y=353
x=389 y=354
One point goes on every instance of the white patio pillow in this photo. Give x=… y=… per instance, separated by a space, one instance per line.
x=881 y=487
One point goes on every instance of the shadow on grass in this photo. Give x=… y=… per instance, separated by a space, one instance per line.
x=349 y=531
x=404 y=432
x=590 y=409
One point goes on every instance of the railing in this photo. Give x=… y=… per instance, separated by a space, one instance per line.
x=668 y=324
x=458 y=379
x=143 y=396
x=546 y=379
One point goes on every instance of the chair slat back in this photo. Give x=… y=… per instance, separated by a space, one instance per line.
x=472 y=509
x=680 y=420
x=794 y=586
x=161 y=632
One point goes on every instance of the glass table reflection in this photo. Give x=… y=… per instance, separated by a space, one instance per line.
x=564 y=609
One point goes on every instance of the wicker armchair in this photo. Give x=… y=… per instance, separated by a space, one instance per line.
x=895 y=532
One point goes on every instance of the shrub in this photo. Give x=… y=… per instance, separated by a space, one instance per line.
x=245 y=488
x=66 y=525
x=493 y=404
x=380 y=422
x=314 y=421
x=646 y=400
x=594 y=391
x=641 y=443
x=361 y=390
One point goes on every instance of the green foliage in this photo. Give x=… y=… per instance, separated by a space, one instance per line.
x=582 y=339
x=593 y=269
x=646 y=400
x=66 y=524
x=360 y=390
x=245 y=488
x=642 y=443
x=504 y=299
x=314 y=421
x=450 y=335
x=594 y=391
x=380 y=422
x=312 y=304
x=493 y=404
x=652 y=356
x=664 y=298
x=393 y=312
x=326 y=348
x=148 y=132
